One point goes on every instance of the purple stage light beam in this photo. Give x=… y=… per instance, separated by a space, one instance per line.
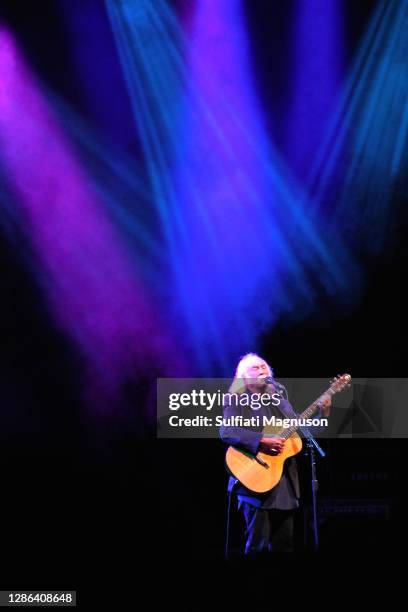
x=223 y=190
x=87 y=273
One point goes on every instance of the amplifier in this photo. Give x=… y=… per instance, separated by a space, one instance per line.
x=352 y=524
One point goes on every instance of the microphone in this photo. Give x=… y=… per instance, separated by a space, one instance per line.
x=280 y=388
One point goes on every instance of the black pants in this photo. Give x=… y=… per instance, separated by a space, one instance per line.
x=267 y=530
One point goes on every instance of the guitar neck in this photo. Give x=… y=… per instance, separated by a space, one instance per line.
x=310 y=410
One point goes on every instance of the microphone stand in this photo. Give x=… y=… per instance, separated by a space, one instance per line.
x=311 y=444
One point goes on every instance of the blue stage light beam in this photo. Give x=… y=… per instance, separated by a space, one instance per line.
x=255 y=207
x=241 y=247
x=150 y=50
x=364 y=158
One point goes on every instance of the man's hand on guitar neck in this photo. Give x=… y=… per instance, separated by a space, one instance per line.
x=325 y=405
x=271 y=446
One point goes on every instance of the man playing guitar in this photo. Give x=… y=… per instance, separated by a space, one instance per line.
x=269 y=515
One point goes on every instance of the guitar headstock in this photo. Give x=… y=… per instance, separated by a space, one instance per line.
x=340 y=382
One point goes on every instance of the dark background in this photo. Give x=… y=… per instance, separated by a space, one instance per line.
x=80 y=495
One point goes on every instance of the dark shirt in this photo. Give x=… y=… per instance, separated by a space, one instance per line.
x=285 y=496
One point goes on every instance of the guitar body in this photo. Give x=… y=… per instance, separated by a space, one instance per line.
x=261 y=473
x=253 y=474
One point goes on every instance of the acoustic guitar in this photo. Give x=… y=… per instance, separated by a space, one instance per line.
x=262 y=472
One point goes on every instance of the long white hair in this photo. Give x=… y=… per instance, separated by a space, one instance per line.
x=238 y=384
